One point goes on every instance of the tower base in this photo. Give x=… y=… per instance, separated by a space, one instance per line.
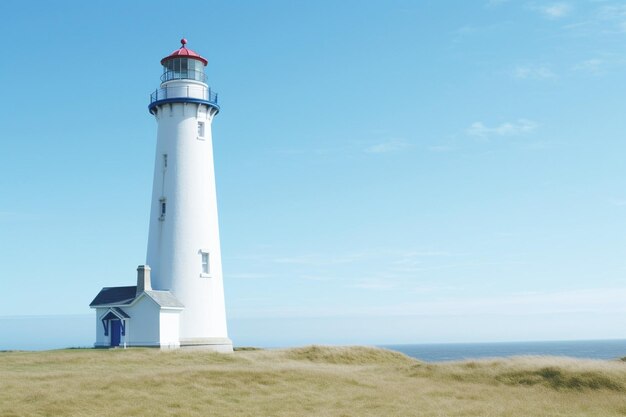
x=217 y=344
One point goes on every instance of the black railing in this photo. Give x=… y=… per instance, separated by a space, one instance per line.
x=184 y=91
x=183 y=75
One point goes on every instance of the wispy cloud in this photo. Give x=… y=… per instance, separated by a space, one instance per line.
x=388 y=145
x=593 y=66
x=442 y=148
x=319 y=277
x=392 y=145
x=409 y=261
x=522 y=126
x=608 y=18
x=615 y=14
x=555 y=10
x=493 y=3
x=464 y=266
x=318 y=259
x=539 y=145
x=248 y=275
x=618 y=202
x=389 y=266
x=425 y=253
x=601 y=65
x=373 y=284
x=569 y=301
x=533 y=72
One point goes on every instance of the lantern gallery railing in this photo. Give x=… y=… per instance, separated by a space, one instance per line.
x=184 y=91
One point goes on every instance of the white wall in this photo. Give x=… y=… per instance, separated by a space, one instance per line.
x=170 y=328
x=149 y=325
x=143 y=327
x=191 y=221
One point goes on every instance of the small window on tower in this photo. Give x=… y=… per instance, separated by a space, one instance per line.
x=201 y=129
x=206 y=270
x=163 y=208
x=164 y=161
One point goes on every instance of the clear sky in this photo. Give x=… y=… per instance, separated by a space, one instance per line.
x=387 y=171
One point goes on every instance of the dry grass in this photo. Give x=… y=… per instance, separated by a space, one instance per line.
x=356 y=355
x=310 y=381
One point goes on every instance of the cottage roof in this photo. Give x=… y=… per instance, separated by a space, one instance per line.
x=164 y=298
x=116 y=296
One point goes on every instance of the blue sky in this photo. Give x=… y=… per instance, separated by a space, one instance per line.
x=387 y=171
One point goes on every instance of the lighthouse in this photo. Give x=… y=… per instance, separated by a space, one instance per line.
x=179 y=297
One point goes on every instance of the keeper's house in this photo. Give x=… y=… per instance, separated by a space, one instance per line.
x=157 y=314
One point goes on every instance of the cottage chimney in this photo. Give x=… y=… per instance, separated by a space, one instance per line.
x=143 y=279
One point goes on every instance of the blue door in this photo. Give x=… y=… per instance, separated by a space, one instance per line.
x=116 y=331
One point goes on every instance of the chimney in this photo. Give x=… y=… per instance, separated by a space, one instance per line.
x=143 y=279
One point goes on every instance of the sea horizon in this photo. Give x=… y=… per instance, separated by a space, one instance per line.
x=605 y=349
x=52 y=332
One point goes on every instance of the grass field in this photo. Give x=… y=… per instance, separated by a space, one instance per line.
x=309 y=381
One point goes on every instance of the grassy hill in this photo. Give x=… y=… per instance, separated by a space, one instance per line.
x=309 y=381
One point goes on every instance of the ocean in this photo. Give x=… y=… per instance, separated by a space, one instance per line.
x=58 y=332
x=589 y=349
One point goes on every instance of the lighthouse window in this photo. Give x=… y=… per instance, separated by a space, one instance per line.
x=205 y=264
x=183 y=68
x=163 y=207
x=200 y=129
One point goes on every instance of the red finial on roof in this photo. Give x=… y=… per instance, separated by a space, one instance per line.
x=183 y=42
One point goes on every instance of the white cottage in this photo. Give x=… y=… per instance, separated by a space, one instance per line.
x=156 y=315
x=180 y=301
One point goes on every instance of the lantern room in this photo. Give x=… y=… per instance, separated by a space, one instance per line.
x=183 y=81
x=183 y=64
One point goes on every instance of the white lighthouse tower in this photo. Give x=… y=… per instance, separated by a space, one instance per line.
x=184 y=277
x=184 y=242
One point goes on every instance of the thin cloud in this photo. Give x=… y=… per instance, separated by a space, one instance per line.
x=426 y=253
x=393 y=145
x=373 y=284
x=319 y=277
x=466 y=265
x=605 y=20
x=533 y=72
x=555 y=10
x=538 y=145
x=442 y=148
x=318 y=259
x=614 y=14
x=248 y=275
x=586 y=301
x=593 y=66
x=522 y=126
x=493 y=3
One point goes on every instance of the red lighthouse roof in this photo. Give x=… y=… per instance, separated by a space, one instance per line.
x=183 y=52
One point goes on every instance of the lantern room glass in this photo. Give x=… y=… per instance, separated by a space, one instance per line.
x=183 y=69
